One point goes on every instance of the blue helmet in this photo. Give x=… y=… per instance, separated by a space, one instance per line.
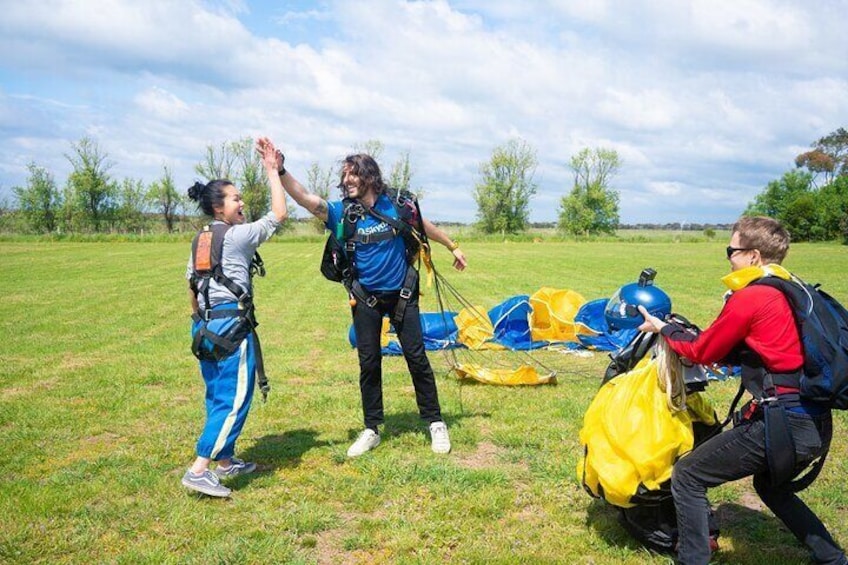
x=621 y=312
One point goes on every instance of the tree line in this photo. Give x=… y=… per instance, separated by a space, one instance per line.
x=811 y=199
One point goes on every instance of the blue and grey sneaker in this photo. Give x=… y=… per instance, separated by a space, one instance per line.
x=206 y=483
x=237 y=467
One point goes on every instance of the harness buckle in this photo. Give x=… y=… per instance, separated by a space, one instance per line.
x=350 y=246
x=406 y=293
x=207 y=314
x=371 y=301
x=766 y=400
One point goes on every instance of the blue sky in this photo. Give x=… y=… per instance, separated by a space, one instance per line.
x=705 y=101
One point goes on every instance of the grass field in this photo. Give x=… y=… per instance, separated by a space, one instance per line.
x=101 y=404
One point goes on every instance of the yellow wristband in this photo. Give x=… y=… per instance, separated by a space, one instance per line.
x=453 y=246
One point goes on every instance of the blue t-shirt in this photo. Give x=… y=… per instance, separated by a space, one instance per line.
x=382 y=264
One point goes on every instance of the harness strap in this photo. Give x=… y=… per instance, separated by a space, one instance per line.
x=261 y=377
x=229 y=346
x=361 y=295
x=372 y=237
x=409 y=283
x=228 y=313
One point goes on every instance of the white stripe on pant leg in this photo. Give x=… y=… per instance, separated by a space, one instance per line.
x=238 y=402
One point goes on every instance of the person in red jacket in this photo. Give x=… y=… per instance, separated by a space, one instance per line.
x=756 y=330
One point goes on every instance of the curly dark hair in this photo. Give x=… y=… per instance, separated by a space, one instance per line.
x=366 y=168
x=210 y=195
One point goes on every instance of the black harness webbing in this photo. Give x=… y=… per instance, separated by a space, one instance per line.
x=773 y=408
x=410 y=280
x=245 y=312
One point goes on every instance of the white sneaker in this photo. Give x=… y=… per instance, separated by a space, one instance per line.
x=367 y=440
x=439 y=436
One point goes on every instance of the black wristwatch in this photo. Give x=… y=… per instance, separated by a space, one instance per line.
x=282 y=169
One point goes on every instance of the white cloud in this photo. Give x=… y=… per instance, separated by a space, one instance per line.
x=646 y=110
x=665 y=188
x=161 y=104
x=692 y=95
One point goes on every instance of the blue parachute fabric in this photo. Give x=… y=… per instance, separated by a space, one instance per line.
x=511 y=322
x=601 y=337
x=440 y=328
x=439 y=332
x=511 y=328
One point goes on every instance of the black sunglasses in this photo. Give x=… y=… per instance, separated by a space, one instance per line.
x=731 y=250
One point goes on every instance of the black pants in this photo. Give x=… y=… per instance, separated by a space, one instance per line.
x=737 y=453
x=368 y=323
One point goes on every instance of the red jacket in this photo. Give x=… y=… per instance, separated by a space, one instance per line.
x=758 y=315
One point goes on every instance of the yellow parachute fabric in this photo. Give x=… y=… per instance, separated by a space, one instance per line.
x=553 y=314
x=475 y=329
x=523 y=375
x=385 y=338
x=631 y=438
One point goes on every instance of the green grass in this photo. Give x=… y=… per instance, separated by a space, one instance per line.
x=101 y=403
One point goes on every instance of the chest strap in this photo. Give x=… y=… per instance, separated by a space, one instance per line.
x=372 y=237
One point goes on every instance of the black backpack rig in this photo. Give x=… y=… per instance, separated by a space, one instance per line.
x=338 y=262
x=206 y=252
x=822 y=324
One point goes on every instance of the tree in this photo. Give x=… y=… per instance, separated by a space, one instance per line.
x=237 y=162
x=218 y=163
x=808 y=213
x=319 y=181
x=505 y=188
x=775 y=200
x=40 y=200
x=829 y=156
x=165 y=199
x=254 y=186
x=91 y=190
x=592 y=206
x=801 y=219
x=372 y=147
x=132 y=200
x=832 y=206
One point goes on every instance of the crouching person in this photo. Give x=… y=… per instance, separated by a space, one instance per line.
x=220 y=270
x=756 y=329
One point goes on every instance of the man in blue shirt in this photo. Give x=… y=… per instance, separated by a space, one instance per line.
x=382 y=268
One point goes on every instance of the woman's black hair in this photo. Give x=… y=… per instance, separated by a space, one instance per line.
x=210 y=195
x=366 y=168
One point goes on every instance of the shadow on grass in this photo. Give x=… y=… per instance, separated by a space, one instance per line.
x=284 y=450
x=398 y=424
x=757 y=536
x=605 y=520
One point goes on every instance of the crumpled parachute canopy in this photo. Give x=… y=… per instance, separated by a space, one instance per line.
x=523 y=375
x=553 y=314
x=593 y=331
x=548 y=316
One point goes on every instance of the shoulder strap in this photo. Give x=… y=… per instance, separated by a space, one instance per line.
x=209 y=266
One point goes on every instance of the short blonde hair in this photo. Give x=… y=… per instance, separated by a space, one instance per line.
x=764 y=234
